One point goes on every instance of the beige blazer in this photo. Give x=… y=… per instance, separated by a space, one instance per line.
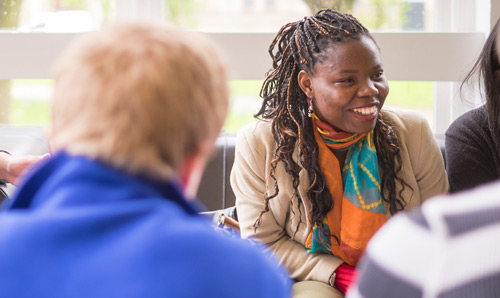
x=422 y=168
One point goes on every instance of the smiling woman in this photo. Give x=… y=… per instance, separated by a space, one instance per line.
x=347 y=87
x=326 y=165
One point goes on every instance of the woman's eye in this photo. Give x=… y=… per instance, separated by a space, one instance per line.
x=379 y=74
x=346 y=80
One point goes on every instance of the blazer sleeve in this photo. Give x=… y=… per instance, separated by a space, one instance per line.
x=248 y=180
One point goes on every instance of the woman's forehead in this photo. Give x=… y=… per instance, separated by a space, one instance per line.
x=352 y=52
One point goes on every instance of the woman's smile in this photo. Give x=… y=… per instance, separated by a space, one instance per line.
x=366 y=111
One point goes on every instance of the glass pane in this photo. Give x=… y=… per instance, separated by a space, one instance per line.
x=413 y=95
x=245 y=100
x=25 y=102
x=24 y=115
x=55 y=15
x=377 y=15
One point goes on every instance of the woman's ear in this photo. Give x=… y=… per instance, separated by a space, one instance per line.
x=192 y=168
x=305 y=83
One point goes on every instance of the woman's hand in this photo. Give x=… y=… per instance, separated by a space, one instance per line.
x=12 y=167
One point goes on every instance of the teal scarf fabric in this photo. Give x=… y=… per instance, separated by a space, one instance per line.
x=360 y=176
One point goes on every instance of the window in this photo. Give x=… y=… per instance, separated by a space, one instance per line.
x=427 y=45
x=423 y=42
x=26 y=60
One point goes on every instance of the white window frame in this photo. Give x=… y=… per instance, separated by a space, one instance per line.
x=440 y=57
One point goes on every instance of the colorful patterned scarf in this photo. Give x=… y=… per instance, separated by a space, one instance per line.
x=357 y=211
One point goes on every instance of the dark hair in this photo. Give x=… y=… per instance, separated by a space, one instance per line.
x=299 y=46
x=485 y=67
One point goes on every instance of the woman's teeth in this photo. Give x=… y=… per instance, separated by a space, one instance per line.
x=366 y=111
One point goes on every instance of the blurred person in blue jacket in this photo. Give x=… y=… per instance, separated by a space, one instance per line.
x=137 y=108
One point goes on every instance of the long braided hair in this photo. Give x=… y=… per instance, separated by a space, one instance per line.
x=299 y=46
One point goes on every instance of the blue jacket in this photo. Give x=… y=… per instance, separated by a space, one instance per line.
x=79 y=228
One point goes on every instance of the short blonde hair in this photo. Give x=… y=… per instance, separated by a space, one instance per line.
x=140 y=96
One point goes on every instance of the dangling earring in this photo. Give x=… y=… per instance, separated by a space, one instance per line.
x=310 y=109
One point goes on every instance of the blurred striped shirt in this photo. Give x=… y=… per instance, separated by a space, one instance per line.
x=448 y=248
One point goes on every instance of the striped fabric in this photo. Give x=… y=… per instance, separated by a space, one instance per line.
x=448 y=248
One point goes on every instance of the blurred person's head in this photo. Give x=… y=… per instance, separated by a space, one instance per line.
x=142 y=97
x=487 y=72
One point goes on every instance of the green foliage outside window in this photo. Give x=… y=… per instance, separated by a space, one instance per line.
x=340 y=5
x=180 y=12
x=376 y=14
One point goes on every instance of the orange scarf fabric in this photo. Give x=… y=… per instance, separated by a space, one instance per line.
x=352 y=220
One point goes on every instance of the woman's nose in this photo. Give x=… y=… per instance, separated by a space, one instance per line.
x=368 y=89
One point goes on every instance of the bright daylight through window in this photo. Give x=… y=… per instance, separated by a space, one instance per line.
x=414 y=36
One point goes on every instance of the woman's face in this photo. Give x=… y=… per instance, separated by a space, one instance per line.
x=348 y=87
